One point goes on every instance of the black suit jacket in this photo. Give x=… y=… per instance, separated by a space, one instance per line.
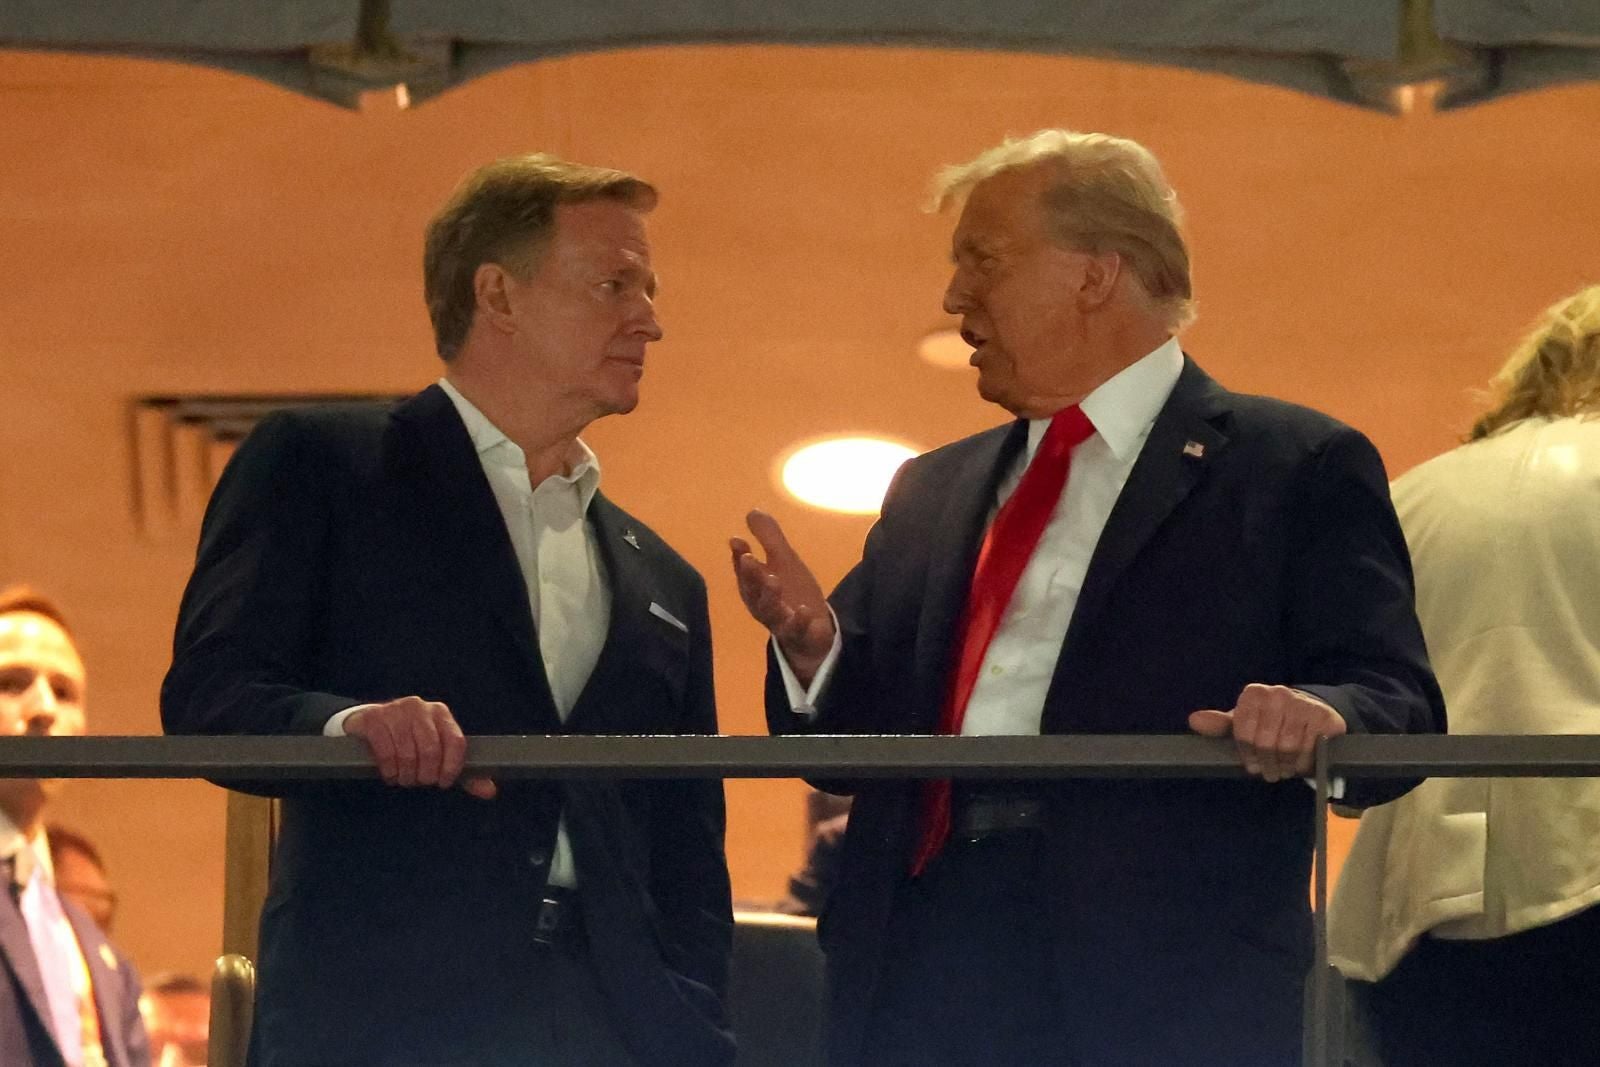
x=25 y=1036
x=1181 y=907
x=357 y=554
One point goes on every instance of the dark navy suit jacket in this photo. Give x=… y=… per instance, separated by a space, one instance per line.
x=1254 y=541
x=357 y=554
x=25 y=1036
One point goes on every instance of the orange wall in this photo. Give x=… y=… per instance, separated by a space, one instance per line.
x=168 y=229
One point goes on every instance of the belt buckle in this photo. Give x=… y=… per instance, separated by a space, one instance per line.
x=984 y=817
x=547 y=923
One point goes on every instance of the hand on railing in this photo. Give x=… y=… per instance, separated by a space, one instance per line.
x=1275 y=729
x=416 y=742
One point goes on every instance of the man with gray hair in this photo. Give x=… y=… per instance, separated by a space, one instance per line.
x=1139 y=551
x=417 y=574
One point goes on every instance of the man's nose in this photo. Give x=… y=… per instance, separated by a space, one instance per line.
x=40 y=707
x=957 y=300
x=648 y=326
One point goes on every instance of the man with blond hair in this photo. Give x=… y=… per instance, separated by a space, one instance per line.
x=1139 y=551
x=412 y=576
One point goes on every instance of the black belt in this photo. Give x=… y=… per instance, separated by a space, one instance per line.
x=558 y=922
x=977 y=815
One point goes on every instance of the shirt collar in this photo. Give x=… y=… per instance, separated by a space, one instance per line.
x=494 y=447
x=11 y=836
x=1124 y=407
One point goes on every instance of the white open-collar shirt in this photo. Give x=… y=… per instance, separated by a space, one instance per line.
x=569 y=599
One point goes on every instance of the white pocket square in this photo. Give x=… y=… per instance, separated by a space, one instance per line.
x=666 y=616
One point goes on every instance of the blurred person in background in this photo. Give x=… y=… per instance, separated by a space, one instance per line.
x=827 y=816
x=81 y=875
x=1471 y=902
x=177 y=1013
x=68 y=997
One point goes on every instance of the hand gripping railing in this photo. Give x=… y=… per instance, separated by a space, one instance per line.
x=1056 y=756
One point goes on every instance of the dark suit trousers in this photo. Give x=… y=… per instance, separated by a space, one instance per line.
x=973 y=977
x=554 y=1016
x=1532 y=997
x=968 y=972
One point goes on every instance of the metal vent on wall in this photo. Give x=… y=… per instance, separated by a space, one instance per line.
x=181 y=443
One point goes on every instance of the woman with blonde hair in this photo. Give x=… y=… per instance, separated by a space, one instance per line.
x=1469 y=904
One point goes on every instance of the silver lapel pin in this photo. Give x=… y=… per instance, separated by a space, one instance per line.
x=1194 y=448
x=632 y=539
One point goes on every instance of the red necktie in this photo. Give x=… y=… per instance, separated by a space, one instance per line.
x=1007 y=546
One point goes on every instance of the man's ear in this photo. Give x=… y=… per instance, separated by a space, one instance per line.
x=491 y=289
x=1100 y=273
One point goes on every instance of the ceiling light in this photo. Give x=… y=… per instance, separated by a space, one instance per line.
x=848 y=474
x=945 y=348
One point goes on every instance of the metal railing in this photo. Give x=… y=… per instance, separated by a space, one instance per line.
x=1055 y=756
x=851 y=756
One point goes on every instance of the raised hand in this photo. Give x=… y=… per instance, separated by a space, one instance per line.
x=782 y=594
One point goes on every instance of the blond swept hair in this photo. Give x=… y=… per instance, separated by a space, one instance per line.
x=1555 y=371
x=503 y=213
x=1108 y=195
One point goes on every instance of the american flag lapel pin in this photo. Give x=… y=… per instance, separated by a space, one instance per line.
x=1195 y=449
x=632 y=539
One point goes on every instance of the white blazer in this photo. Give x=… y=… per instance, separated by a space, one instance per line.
x=1505 y=537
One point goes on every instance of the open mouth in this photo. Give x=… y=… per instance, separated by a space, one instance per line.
x=977 y=341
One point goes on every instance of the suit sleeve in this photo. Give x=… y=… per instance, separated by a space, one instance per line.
x=1352 y=612
x=689 y=869
x=248 y=620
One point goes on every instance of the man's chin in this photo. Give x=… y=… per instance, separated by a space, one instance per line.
x=1023 y=405
x=1003 y=394
x=995 y=392
x=19 y=795
x=620 y=404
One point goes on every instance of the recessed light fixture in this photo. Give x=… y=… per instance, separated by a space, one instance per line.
x=845 y=474
x=945 y=348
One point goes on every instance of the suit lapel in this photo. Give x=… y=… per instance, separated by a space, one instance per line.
x=955 y=534
x=17 y=948
x=444 y=485
x=1184 y=440
x=632 y=586
x=103 y=977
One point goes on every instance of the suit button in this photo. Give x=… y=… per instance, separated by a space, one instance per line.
x=538 y=858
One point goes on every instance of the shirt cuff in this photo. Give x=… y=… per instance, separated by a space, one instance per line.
x=334 y=727
x=803 y=701
x=1335 y=787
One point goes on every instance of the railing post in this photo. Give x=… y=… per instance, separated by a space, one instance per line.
x=1321 y=988
x=251 y=825
x=233 y=988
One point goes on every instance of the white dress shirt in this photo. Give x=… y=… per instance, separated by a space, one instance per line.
x=1017 y=667
x=556 y=550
